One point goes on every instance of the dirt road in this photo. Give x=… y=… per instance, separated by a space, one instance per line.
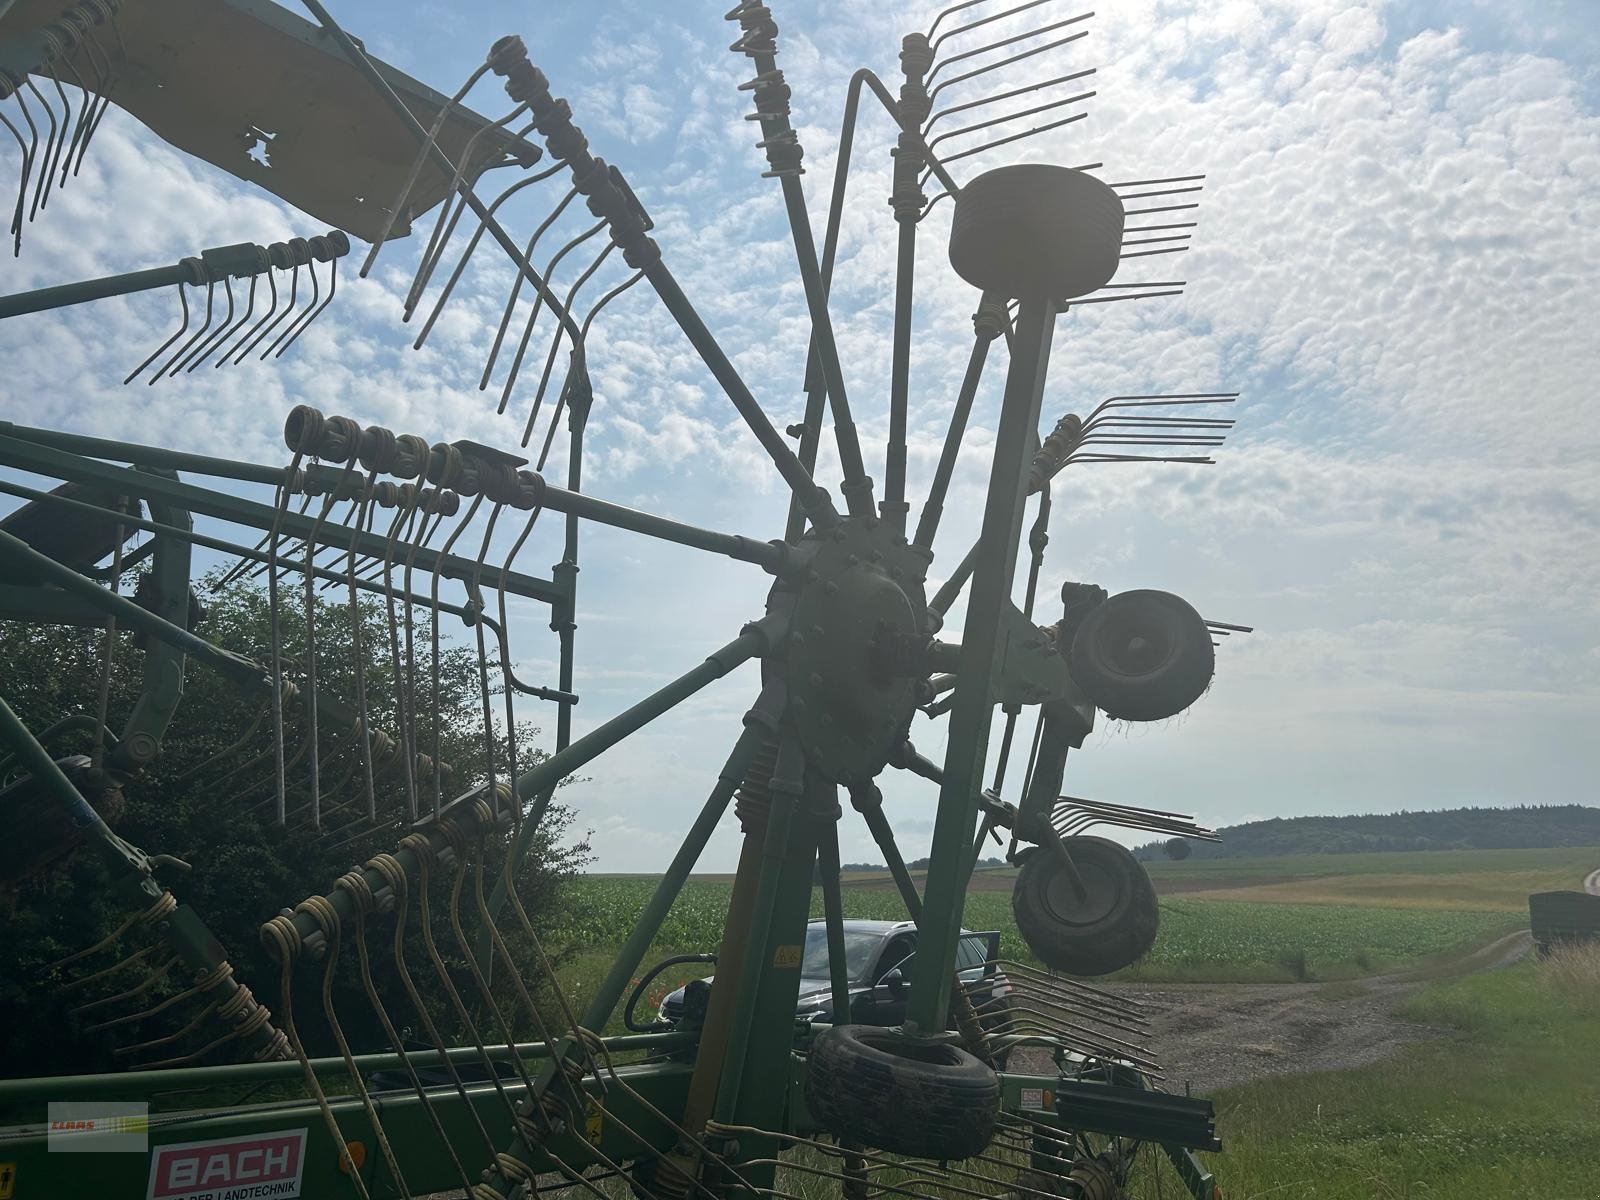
x=1215 y=1035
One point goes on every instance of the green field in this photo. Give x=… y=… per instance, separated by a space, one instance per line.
x=1504 y=1106
x=1313 y=917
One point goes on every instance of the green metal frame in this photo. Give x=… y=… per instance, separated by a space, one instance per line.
x=663 y=1084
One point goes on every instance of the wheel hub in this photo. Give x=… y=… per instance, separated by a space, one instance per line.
x=860 y=603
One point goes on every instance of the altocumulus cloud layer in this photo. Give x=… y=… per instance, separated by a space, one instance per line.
x=1396 y=264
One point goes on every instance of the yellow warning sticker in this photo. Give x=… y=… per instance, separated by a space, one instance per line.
x=592 y=1123
x=8 y=1180
x=786 y=957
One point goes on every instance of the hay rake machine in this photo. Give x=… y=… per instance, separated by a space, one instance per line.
x=486 y=1078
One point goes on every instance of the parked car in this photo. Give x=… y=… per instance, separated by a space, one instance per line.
x=878 y=958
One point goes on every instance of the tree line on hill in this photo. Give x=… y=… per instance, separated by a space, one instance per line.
x=1521 y=827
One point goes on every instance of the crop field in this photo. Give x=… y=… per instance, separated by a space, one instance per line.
x=1200 y=939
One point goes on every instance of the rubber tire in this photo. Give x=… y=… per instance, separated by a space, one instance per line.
x=1150 y=691
x=1117 y=933
x=1034 y=230
x=862 y=1083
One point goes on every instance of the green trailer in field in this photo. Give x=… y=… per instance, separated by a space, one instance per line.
x=1558 y=917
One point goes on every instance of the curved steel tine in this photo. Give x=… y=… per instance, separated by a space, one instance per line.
x=316 y=310
x=939 y=17
x=22 y=186
x=294 y=288
x=1005 y=141
x=249 y=309
x=113 y=77
x=1020 y=56
x=89 y=97
x=982 y=21
x=211 y=293
x=272 y=307
x=516 y=287
x=576 y=361
x=93 y=97
x=183 y=299
x=555 y=344
x=533 y=317
x=210 y=341
x=66 y=119
x=472 y=245
x=435 y=254
x=416 y=165
x=441 y=231
x=999 y=96
x=50 y=141
x=310 y=311
x=1001 y=120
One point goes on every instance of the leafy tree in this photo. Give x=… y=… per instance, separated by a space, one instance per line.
x=210 y=798
x=1177 y=849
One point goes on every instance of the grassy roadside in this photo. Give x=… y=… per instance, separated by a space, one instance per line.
x=1507 y=1103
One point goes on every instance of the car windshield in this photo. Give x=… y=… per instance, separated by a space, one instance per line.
x=858 y=949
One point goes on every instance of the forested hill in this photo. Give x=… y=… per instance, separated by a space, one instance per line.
x=1447 y=829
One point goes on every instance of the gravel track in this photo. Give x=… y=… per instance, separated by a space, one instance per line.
x=1213 y=1036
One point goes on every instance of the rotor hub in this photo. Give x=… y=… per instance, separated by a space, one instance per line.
x=860 y=603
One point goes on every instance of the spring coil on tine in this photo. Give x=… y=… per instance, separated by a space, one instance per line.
x=605 y=191
x=65 y=38
x=453 y=471
x=769 y=91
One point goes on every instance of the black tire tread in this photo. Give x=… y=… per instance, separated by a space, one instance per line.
x=1120 y=940
x=857 y=1089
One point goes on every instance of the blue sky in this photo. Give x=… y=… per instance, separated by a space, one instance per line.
x=1396 y=265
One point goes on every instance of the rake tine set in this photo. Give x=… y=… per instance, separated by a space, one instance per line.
x=1122 y=422
x=1073 y=815
x=545 y=297
x=1221 y=629
x=236 y=337
x=233 y=336
x=62 y=46
x=1086 y=1020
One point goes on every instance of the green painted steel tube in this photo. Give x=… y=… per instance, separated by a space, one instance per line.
x=771 y=556
x=883 y=835
x=648 y=924
x=65 y=294
x=43 y=768
x=833 y=914
x=775 y=127
x=813 y=499
x=759 y=947
x=894 y=505
x=128 y=613
x=43 y=460
x=951 y=588
x=145 y=456
x=126 y=1084
x=944 y=891
x=933 y=506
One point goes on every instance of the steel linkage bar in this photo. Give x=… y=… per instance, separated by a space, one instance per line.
x=970 y=717
x=783 y=150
